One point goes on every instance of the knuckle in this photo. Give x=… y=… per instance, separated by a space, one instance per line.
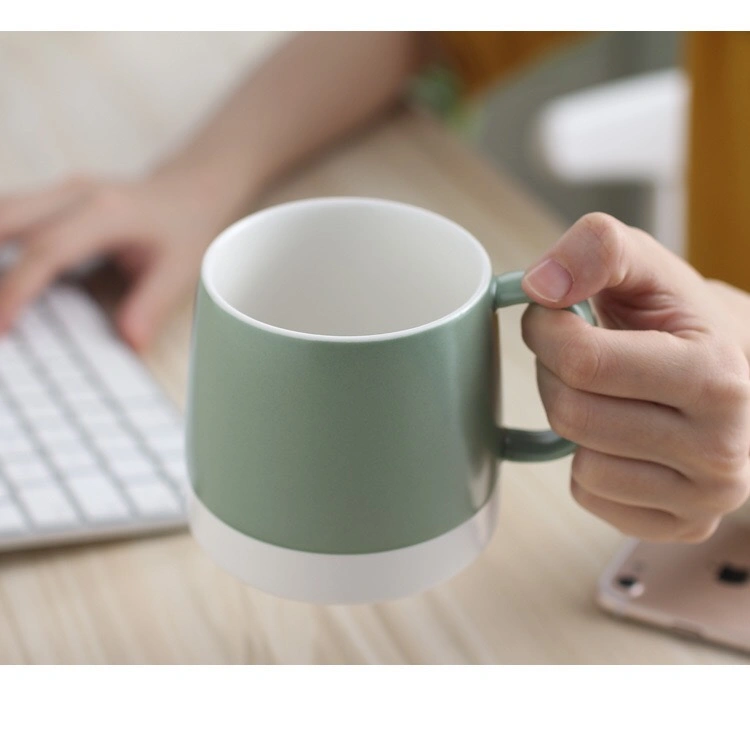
x=54 y=259
x=588 y=468
x=579 y=361
x=110 y=199
x=724 y=374
x=654 y=526
x=726 y=455
x=568 y=414
x=609 y=235
x=728 y=495
x=45 y=249
x=696 y=532
x=581 y=496
x=723 y=401
x=729 y=359
x=728 y=391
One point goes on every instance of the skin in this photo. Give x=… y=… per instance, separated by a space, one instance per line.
x=157 y=227
x=659 y=402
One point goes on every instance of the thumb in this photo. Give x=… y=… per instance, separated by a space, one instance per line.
x=153 y=296
x=600 y=253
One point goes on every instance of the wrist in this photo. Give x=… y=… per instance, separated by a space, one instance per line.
x=223 y=192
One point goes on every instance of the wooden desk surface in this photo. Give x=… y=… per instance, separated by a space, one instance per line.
x=111 y=102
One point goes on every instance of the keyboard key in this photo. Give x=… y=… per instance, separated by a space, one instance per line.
x=59 y=440
x=11 y=519
x=63 y=369
x=27 y=471
x=100 y=423
x=152 y=498
x=39 y=407
x=78 y=311
x=80 y=392
x=38 y=330
x=72 y=463
x=93 y=406
x=30 y=321
x=99 y=498
x=9 y=351
x=115 y=440
x=54 y=428
x=20 y=380
x=167 y=444
x=122 y=374
x=177 y=471
x=77 y=409
x=9 y=424
x=48 y=507
x=39 y=337
x=129 y=464
x=151 y=417
x=5 y=407
x=43 y=416
x=15 y=444
x=47 y=352
x=75 y=389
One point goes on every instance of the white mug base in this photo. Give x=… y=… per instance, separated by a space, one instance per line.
x=331 y=579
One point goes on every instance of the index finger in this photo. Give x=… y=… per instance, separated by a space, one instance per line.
x=646 y=365
x=22 y=283
x=50 y=252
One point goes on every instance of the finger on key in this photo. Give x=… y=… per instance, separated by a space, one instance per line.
x=152 y=297
x=48 y=253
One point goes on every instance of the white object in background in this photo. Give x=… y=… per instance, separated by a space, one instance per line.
x=634 y=130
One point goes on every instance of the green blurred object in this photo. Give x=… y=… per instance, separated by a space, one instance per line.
x=439 y=89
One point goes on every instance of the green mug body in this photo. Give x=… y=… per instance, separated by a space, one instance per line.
x=341 y=424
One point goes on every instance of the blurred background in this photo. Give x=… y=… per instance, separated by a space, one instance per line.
x=514 y=107
x=110 y=89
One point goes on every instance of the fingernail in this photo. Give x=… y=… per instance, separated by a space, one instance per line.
x=549 y=280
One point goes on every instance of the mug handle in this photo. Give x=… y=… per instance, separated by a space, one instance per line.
x=520 y=445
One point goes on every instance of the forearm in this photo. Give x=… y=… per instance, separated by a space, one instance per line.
x=314 y=89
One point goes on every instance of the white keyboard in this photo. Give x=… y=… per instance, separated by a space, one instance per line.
x=90 y=447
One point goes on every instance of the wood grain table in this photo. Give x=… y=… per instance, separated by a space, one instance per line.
x=113 y=102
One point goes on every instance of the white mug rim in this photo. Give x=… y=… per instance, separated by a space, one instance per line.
x=228 y=235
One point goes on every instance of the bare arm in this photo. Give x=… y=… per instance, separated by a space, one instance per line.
x=314 y=89
x=317 y=87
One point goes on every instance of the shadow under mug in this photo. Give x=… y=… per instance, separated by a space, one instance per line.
x=344 y=381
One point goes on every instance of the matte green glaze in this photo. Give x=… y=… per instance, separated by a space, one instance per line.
x=349 y=447
x=341 y=447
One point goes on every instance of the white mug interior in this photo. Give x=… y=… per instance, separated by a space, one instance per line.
x=346 y=267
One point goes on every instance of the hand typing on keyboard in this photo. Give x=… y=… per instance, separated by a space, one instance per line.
x=89 y=445
x=156 y=229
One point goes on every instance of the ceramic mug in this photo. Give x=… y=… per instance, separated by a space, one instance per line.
x=341 y=436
